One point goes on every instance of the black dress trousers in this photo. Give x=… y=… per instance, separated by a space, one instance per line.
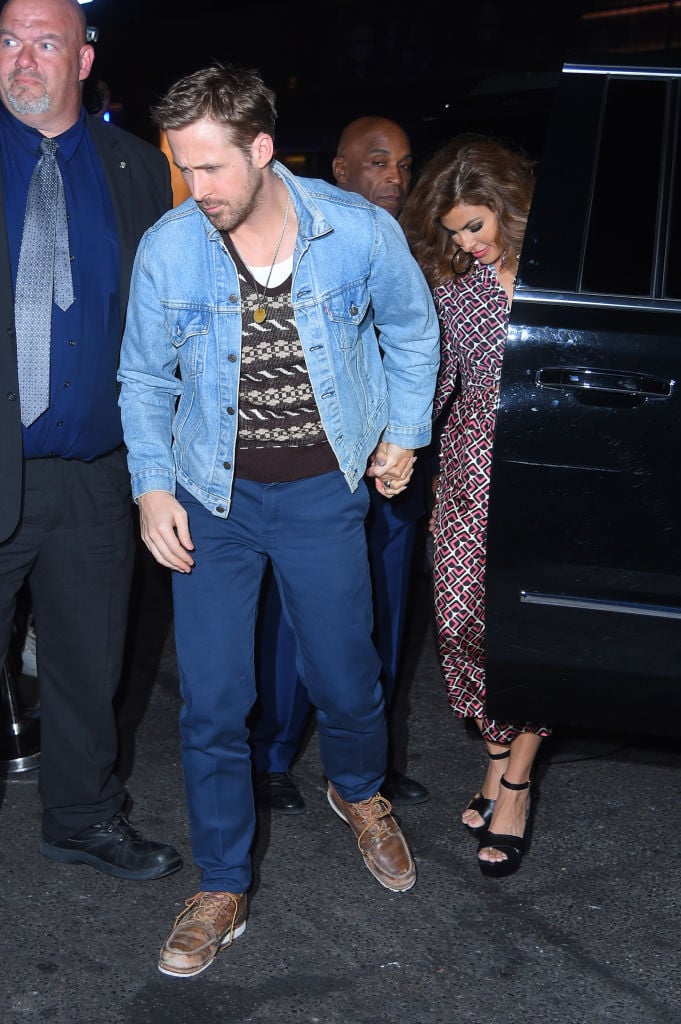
x=75 y=546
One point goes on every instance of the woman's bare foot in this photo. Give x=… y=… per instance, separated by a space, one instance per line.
x=509 y=818
x=498 y=760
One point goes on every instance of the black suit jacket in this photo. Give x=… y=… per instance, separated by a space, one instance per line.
x=138 y=177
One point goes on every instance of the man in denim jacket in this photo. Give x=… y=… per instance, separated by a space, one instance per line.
x=254 y=395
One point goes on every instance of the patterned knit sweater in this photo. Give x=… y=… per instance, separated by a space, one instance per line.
x=280 y=434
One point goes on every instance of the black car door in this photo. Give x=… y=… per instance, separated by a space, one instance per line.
x=583 y=578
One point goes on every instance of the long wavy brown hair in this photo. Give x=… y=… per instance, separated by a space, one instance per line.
x=478 y=171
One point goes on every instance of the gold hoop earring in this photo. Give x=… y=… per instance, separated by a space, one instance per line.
x=462 y=262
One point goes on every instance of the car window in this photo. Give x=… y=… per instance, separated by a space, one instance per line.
x=672 y=282
x=620 y=244
x=617 y=228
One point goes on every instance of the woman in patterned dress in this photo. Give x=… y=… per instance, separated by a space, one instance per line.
x=465 y=221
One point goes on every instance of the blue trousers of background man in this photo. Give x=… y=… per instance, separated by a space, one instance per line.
x=284 y=709
x=312 y=531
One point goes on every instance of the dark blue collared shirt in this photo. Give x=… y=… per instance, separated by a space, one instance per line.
x=83 y=420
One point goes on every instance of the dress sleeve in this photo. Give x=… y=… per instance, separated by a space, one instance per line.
x=449 y=358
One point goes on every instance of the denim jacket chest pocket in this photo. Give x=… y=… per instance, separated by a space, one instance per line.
x=345 y=310
x=188 y=329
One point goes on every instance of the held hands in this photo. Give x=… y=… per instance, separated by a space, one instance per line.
x=392 y=467
x=165 y=530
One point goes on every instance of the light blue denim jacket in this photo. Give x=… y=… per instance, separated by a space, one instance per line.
x=353 y=275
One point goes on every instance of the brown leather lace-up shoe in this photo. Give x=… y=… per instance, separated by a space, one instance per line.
x=210 y=921
x=379 y=839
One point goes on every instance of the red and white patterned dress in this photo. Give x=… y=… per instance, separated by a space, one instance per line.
x=473 y=313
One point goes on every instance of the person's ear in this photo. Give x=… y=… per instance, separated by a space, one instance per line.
x=340 y=169
x=262 y=149
x=86 y=59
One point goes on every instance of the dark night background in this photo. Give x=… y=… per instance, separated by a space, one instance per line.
x=437 y=68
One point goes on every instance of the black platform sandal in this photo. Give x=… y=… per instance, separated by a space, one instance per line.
x=483 y=804
x=513 y=846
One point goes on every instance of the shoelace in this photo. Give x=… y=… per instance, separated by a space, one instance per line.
x=206 y=906
x=118 y=823
x=378 y=808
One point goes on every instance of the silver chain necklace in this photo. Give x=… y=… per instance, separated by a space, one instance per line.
x=260 y=311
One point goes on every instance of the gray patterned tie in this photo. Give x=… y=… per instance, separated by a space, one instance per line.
x=44 y=273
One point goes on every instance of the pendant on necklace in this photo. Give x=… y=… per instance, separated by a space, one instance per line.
x=259 y=314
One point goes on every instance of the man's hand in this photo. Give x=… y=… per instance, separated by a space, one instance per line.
x=392 y=467
x=165 y=530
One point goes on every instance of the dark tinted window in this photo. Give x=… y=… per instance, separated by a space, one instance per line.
x=620 y=252
x=606 y=215
x=672 y=283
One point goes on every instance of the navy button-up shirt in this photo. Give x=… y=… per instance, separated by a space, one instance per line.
x=83 y=420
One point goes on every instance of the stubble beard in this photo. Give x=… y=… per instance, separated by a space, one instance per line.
x=23 y=101
x=231 y=215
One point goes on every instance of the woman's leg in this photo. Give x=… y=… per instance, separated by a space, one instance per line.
x=498 y=755
x=511 y=808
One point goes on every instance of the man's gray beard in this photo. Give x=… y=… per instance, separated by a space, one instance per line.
x=36 y=105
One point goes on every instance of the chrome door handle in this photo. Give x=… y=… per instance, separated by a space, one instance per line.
x=581 y=378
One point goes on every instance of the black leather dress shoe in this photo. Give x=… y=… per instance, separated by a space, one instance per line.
x=279 y=792
x=115 y=848
x=400 y=789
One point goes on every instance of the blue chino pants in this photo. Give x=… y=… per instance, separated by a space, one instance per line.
x=284 y=708
x=313 y=532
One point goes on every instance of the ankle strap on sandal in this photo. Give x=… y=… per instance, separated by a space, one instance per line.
x=517 y=786
x=500 y=756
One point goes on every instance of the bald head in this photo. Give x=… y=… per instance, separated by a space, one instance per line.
x=374 y=159
x=70 y=8
x=44 y=59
